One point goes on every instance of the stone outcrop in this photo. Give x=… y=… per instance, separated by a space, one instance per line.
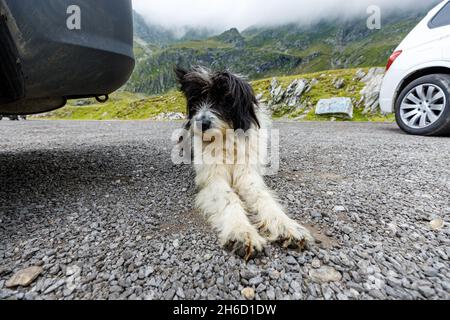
x=370 y=94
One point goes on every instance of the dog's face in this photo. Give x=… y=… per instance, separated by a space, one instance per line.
x=217 y=100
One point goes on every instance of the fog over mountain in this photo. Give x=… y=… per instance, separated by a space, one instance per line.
x=220 y=15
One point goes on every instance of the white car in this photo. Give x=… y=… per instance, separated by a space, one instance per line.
x=417 y=82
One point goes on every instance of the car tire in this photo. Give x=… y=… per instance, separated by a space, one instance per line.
x=423 y=106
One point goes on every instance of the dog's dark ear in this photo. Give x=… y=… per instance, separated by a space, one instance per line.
x=238 y=97
x=194 y=85
x=192 y=81
x=180 y=73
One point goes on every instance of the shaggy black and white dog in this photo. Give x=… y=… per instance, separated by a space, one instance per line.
x=232 y=194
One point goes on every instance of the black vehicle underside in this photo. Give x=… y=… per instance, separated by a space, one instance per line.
x=11 y=77
x=43 y=62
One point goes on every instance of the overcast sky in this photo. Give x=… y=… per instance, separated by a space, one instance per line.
x=224 y=14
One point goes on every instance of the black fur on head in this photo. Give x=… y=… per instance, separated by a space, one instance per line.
x=229 y=97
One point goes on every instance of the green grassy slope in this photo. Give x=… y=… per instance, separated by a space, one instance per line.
x=121 y=106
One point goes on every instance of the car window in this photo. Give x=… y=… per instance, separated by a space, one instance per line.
x=442 y=18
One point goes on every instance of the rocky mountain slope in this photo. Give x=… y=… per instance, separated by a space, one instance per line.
x=262 y=52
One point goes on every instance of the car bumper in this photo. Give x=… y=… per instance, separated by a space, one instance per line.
x=389 y=89
x=55 y=61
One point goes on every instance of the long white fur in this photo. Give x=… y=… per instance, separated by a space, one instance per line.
x=235 y=199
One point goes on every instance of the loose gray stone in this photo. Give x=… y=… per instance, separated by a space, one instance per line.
x=316 y=215
x=270 y=294
x=291 y=260
x=360 y=74
x=24 y=277
x=437 y=224
x=55 y=286
x=169 y=294
x=180 y=293
x=347 y=230
x=339 y=83
x=339 y=209
x=249 y=273
x=248 y=293
x=296 y=286
x=256 y=281
x=428 y=292
x=316 y=263
x=325 y=274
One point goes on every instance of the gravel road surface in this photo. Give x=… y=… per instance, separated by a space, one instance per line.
x=99 y=211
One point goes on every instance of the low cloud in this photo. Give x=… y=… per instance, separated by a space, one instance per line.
x=224 y=14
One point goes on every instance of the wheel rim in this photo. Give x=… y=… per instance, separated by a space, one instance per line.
x=423 y=106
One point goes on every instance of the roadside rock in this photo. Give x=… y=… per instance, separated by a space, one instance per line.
x=339 y=209
x=4 y=270
x=372 y=73
x=276 y=92
x=360 y=74
x=291 y=97
x=294 y=92
x=347 y=230
x=170 y=116
x=248 y=293
x=73 y=280
x=336 y=107
x=339 y=83
x=256 y=281
x=316 y=263
x=24 y=277
x=437 y=224
x=83 y=102
x=325 y=274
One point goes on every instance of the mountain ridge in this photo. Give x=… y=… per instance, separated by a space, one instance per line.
x=261 y=52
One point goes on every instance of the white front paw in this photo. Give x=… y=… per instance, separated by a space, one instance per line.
x=244 y=243
x=296 y=236
x=280 y=228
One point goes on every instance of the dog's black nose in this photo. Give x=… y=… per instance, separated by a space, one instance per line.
x=206 y=124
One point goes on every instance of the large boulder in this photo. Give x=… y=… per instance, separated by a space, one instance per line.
x=338 y=107
x=370 y=94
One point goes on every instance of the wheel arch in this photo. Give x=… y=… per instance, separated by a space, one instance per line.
x=419 y=74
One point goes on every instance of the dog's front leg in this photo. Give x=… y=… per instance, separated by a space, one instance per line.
x=223 y=209
x=270 y=217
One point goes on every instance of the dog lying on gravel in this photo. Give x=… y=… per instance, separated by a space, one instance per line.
x=232 y=194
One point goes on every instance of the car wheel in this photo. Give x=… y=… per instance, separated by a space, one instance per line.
x=423 y=107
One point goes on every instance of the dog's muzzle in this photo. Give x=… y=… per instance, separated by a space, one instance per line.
x=204 y=123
